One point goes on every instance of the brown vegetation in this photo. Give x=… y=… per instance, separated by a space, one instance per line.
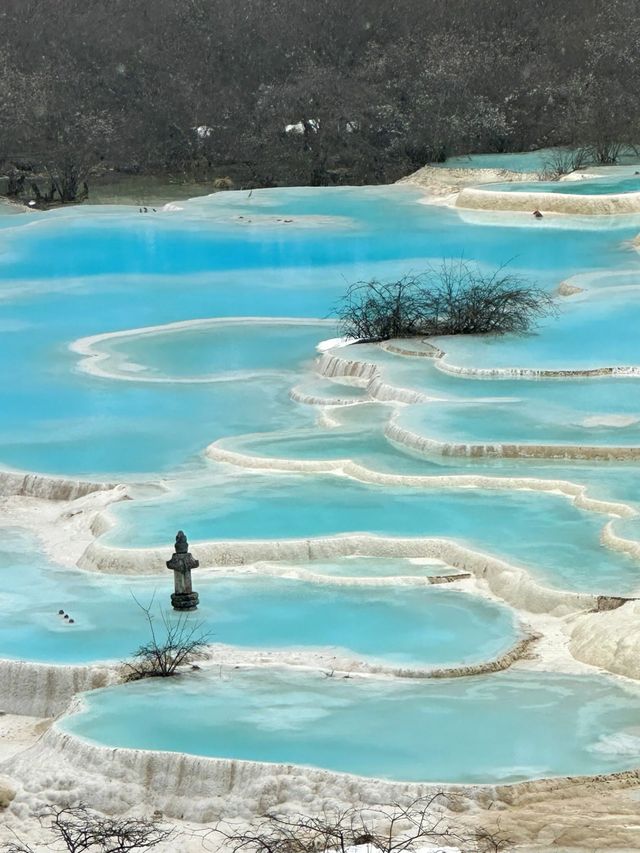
x=455 y=298
x=177 y=641
x=77 y=829
x=395 y=828
x=374 y=89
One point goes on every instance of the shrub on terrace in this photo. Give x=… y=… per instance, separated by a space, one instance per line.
x=177 y=641
x=456 y=298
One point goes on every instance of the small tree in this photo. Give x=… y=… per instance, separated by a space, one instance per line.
x=388 y=829
x=456 y=298
x=79 y=830
x=179 y=641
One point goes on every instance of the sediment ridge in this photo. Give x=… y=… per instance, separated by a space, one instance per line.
x=299 y=395
x=206 y=789
x=368 y=374
x=424 y=445
x=45 y=690
x=348 y=663
x=575 y=492
x=15 y=483
x=512 y=584
x=590 y=205
x=446 y=180
x=620 y=371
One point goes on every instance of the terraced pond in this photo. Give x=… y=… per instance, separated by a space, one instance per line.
x=407 y=732
x=175 y=352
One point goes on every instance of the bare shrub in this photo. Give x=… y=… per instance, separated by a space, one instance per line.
x=462 y=300
x=388 y=829
x=15 y=182
x=456 y=298
x=564 y=161
x=79 y=830
x=177 y=641
x=374 y=310
x=607 y=153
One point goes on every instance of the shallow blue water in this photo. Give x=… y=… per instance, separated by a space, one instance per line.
x=120 y=270
x=557 y=542
x=524 y=423
x=594 y=329
x=525 y=161
x=218 y=350
x=588 y=186
x=435 y=731
x=411 y=626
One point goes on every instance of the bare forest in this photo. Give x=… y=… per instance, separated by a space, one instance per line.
x=260 y=93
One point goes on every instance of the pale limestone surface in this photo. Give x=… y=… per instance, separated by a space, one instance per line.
x=591 y=205
x=442 y=181
x=583 y=813
x=609 y=640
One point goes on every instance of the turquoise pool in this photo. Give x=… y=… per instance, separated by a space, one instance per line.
x=586 y=186
x=436 y=731
x=522 y=161
x=521 y=422
x=228 y=351
x=397 y=625
x=606 y=319
x=559 y=543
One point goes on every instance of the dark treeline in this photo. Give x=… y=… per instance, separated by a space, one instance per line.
x=373 y=88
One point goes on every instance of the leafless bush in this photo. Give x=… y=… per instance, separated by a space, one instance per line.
x=374 y=310
x=563 y=161
x=388 y=829
x=606 y=153
x=178 y=641
x=462 y=300
x=15 y=182
x=79 y=830
x=456 y=298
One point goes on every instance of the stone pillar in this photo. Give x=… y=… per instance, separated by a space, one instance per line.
x=181 y=563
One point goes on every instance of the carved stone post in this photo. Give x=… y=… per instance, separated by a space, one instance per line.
x=181 y=563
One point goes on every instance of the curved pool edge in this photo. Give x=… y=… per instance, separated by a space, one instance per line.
x=204 y=789
x=425 y=445
x=575 y=492
x=472 y=198
x=92 y=355
x=49 y=487
x=44 y=689
x=510 y=583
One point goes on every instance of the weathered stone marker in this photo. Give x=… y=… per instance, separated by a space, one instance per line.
x=181 y=563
